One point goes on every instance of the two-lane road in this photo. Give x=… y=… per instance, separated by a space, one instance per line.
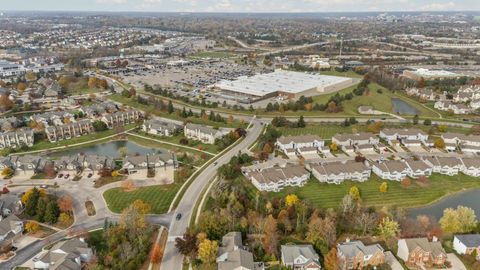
x=172 y=259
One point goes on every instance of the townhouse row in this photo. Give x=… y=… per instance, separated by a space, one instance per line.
x=201 y=133
x=277 y=174
x=90 y=163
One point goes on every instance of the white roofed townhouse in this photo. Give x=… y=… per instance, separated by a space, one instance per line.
x=276 y=178
x=444 y=165
x=202 y=133
x=470 y=166
x=160 y=127
x=397 y=170
x=355 y=139
x=337 y=172
x=391 y=170
x=304 y=143
x=402 y=135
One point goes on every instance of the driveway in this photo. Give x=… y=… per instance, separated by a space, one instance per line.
x=456 y=262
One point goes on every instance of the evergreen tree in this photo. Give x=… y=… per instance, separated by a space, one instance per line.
x=40 y=210
x=31 y=204
x=52 y=212
x=301 y=122
x=170 y=107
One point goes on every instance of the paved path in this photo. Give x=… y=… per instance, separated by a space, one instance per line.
x=172 y=258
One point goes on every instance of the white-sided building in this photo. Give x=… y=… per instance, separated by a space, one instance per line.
x=444 y=165
x=337 y=172
x=355 y=139
x=303 y=143
x=276 y=178
x=202 y=133
x=465 y=244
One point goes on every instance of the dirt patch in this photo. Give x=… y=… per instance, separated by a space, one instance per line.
x=90 y=208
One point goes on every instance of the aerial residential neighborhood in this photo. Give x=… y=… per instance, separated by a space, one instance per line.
x=240 y=135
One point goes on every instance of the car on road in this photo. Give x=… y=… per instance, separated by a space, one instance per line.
x=215 y=163
x=89 y=175
x=60 y=175
x=44 y=186
x=179 y=216
x=67 y=176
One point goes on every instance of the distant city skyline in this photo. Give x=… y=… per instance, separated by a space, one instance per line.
x=240 y=5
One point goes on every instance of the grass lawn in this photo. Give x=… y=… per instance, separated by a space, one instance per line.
x=152 y=110
x=159 y=197
x=327 y=131
x=329 y=195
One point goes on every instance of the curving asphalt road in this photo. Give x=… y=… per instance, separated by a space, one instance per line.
x=172 y=259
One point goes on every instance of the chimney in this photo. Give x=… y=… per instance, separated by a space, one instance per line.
x=347 y=240
x=434 y=239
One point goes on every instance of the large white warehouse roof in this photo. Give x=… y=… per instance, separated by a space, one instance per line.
x=284 y=81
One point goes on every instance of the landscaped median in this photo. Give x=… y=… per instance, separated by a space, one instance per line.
x=158 y=197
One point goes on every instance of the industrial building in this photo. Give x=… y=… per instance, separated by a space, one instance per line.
x=289 y=84
x=427 y=74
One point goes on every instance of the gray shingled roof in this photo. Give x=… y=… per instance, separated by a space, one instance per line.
x=469 y=240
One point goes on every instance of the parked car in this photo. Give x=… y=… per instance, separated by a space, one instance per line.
x=60 y=175
x=67 y=176
x=89 y=175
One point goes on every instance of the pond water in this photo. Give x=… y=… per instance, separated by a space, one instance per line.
x=111 y=149
x=402 y=107
x=470 y=198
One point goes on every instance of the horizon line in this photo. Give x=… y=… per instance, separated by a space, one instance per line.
x=248 y=12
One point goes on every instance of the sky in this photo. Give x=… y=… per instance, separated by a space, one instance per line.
x=241 y=5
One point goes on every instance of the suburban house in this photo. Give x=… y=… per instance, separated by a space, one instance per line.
x=276 y=178
x=16 y=139
x=355 y=139
x=421 y=252
x=444 y=165
x=160 y=127
x=402 y=135
x=202 y=133
x=418 y=168
x=356 y=255
x=466 y=244
x=9 y=204
x=232 y=255
x=11 y=228
x=121 y=118
x=305 y=143
x=69 y=254
x=300 y=257
x=337 y=172
x=149 y=161
x=97 y=110
x=69 y=131
x=470 y=166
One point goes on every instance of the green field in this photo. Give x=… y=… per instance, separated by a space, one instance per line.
x=327 y=131
x=324 y=131
x=159 y=197
x=330 y=195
